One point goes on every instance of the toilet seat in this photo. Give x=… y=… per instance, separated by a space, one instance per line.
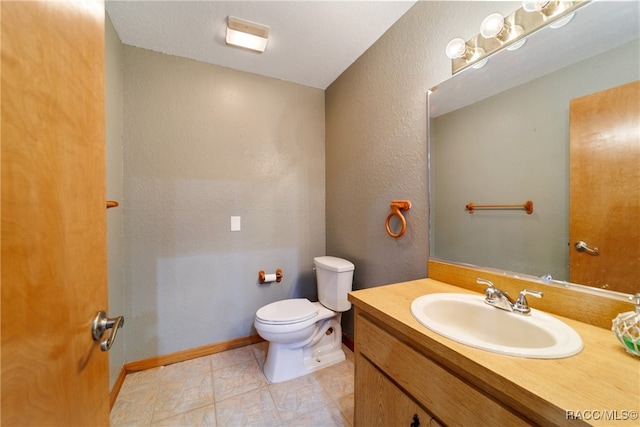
x=287 y=312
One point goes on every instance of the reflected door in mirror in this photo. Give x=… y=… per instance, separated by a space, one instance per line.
x=604 y=206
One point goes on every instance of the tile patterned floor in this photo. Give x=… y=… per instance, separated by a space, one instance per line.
x=229 y=389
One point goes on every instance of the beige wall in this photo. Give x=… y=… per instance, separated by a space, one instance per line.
x=376 y=130
x=113 y=109
x=203 y=143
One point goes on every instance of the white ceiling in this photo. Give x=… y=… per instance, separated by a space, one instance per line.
x=311 y=41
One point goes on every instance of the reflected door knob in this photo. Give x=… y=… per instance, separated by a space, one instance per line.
x=583 y=247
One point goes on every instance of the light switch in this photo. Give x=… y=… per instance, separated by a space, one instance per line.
x=235 y=223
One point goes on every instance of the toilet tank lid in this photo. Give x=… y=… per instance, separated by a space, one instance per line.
x=334 y=264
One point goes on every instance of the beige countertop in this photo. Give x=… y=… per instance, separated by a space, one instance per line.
x=600 y=385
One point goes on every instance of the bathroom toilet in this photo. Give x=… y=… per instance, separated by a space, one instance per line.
x=305 y=336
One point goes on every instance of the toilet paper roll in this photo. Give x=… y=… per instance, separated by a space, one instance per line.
x=270 y=277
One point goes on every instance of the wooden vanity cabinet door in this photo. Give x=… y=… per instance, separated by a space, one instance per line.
x=451 y=399
x=381 y=403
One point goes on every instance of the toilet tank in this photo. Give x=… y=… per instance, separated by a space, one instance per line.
x=335 y=280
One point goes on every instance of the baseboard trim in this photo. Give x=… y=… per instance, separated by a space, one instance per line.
x=116 y=387
x=178 y=356
x=188 y=354
x=191 y=353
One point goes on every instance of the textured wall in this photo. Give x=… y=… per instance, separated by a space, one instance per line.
x=204 y=143
x=113 y=109
x=376 y=126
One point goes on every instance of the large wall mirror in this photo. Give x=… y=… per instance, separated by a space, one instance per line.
x=501 y=135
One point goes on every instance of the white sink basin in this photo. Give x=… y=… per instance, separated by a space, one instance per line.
x=468 y=320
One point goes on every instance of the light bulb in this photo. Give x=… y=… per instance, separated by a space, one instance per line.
x=457 y=48
x=492 y=25
x=534 y=6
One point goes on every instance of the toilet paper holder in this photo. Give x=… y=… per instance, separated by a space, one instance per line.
x=262 y=277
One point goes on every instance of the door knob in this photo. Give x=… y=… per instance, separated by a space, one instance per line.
x=100 y=324
x=582 y=246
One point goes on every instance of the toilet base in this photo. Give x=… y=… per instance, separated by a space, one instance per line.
x=285 y=362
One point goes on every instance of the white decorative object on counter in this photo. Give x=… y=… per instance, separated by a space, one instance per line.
x=626 y=326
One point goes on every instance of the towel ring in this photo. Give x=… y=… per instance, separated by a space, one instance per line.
x=396 y=207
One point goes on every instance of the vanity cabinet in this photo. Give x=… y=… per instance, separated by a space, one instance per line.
x=403 y=368
x=395 y=379
x=383 y=404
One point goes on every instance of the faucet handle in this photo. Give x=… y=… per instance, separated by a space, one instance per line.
x=490 y=291
x=484 y=282
x=521 y=305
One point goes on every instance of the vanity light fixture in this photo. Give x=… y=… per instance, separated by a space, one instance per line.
x=247 y=34
x=517 y=45
x=480 y=64
x=535 y=6
x=546 y=8
x=458 y=48
x=494 y=26
x=550 y=9
x=498 y=32
x=563 y=21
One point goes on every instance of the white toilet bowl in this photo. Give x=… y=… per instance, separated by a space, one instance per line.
x=305 y=336
x=309 y=340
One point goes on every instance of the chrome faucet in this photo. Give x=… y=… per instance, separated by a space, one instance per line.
x=500 y=299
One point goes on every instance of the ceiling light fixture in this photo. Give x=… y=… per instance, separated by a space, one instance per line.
x=247 y=34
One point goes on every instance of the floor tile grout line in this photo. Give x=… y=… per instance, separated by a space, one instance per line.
x=258 y=356
x=235 y=395
x=274 y=403
x=158 y=389
x=157 y=382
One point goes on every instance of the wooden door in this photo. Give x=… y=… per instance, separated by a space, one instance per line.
x=53 y=213
x=604 y=205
